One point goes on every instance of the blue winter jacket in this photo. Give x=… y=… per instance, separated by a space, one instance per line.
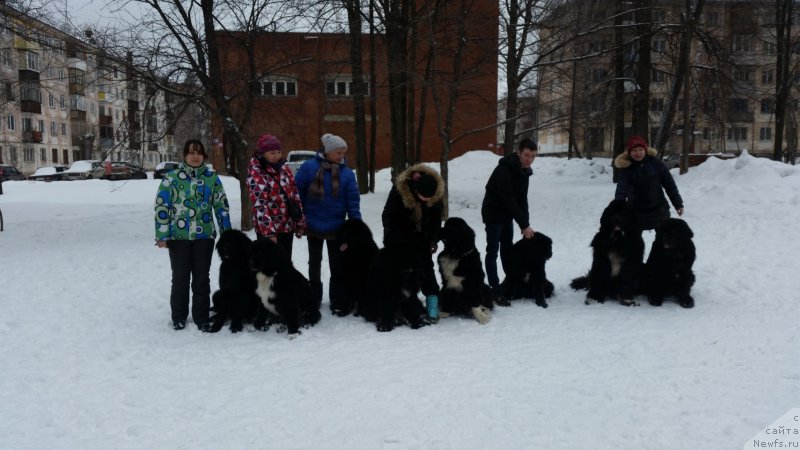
x=325 y=215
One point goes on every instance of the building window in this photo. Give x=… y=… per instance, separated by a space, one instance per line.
x=767 y=105
x=660 y=45
x=27 y=154
x=52 y=100
x=9 y=92
x=765 y=134
x=53 y=129
x=54 y=152
x=737 y=134
x=30 y=92
x=33 y=61
x=712 y=19
x=707 y=135
x=13 y=155
x=659 y=16
x=41 y=126
x=5 y=56
x=11 y=123
x=769 y=48
x=62 y=100
x=738 y=105
x=27 y=124
x=768 y=76
x=43 y=154
x=344 y=88
x=742 y=43
x=741 y=75
x=63 y=128
x=658 y=76
x=275 y=87
x=657 y=104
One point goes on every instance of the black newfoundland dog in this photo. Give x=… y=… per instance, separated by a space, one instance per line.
x=668 y=271
x=464 y=291
x=526 y=277
x=392 y=286
x=356 y=248
x=236 y=298
x=284 y=292
x=617 y=252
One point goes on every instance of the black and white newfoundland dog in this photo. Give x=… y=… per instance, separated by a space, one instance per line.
x=617 y=252
x=284 y=292
x=236 y=298
x=356 y=248
x=392 y=286
x=668 y=271
x=526 y=278
x=464 y=292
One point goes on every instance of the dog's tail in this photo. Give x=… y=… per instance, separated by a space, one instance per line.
x=580 y=283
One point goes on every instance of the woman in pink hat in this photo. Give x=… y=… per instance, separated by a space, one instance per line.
x=277 y=210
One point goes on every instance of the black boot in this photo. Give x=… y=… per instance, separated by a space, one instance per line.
x=316 y=291
x=341 y=304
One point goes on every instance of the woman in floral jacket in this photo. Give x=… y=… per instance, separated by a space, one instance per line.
x=188 y=200
x=273 y=194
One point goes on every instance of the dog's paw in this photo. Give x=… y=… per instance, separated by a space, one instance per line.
x=384 y=327
x=482 y=315
x=262 y=326
x=542 y=304
x=502 y=301
x=592 y=301
x=628 y=302
x=687 y=302
x=443 y=315
x=235 y=328
x=656 y=301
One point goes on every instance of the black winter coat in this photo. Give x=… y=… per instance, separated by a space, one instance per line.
x=506 y=195
x=643 y=184
x=405 y=213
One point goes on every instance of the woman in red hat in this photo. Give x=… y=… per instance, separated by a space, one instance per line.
x=643 y=179
x=277 y=210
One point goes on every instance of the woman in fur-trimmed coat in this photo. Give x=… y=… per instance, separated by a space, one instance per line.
x=643 y=178
x=415 y=207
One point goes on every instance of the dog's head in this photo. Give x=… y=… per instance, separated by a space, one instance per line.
x=233 y=245
x=354 y=234
x=457 y=236
x=619 y=219
x=674 y=234
x=534 y=251
x=268 y=257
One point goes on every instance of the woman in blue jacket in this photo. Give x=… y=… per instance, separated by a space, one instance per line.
x=329 y=193
x=643 y=178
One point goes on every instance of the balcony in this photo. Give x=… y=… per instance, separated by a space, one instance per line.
x=77 y=115
x=30 y=106
x=32 y=137
x=740 y=116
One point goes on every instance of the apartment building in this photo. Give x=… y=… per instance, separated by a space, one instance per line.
x=732 y=88
x=64 y=100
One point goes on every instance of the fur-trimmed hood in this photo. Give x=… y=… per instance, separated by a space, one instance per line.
x=623 y=160
x=403 y=184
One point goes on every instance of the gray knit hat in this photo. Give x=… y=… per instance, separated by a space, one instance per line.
x=331 y=143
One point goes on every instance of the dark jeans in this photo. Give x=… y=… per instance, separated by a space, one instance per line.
x=285 y=240
x=499 y=236
x=190 y=260
x=315 y=258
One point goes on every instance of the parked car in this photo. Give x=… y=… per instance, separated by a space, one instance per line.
x=163 y=167
x=81 y=170
x=671 y=161
x=48 y=173
x=120 y=170
x=296 y=158
x=10 y=173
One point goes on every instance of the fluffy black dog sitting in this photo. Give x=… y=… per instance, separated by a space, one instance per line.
x=392 y=286
x=236 y=298
x=356 y=248
x=284 y=292
x=668 y=271
x=464 y=291
x=617 y=252
x=526 y=277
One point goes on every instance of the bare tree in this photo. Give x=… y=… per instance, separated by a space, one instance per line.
x=784 y=14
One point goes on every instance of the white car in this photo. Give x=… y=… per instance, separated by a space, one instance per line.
x=81 y=170
x=48 y=173
x=296 y=158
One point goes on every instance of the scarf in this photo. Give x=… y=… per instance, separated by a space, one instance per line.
x=317 y=188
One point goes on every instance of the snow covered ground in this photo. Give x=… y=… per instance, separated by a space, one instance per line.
x=89 y=358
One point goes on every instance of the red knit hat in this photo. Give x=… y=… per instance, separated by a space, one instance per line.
x=267 y=143
x=635 y=141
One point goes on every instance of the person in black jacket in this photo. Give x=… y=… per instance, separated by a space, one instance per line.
x=642 y=177
x=506 y=202
x=414 y=208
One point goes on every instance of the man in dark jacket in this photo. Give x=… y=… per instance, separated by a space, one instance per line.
x=506 y=202
x=642 y=177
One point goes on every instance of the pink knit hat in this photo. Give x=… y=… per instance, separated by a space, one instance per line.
x=267 y=143
x=635 y=141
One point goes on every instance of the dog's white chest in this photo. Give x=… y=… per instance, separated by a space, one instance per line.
x=448 y=267
x=616 y=263
x=265 y=292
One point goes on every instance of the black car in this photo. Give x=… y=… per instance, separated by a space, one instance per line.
x=163 y=167
x=10 y=173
